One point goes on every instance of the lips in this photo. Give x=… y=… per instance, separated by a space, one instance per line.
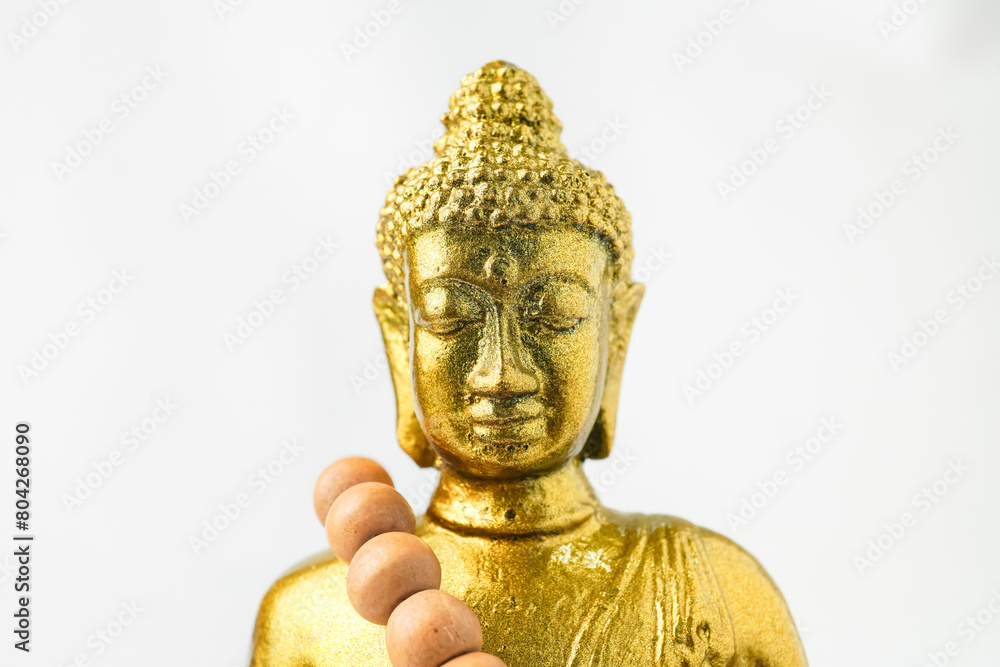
x=506 y=426
x=504 y=421
x=516 y=434
x=493 y=413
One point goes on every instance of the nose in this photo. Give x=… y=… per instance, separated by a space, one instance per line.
x=502 y=369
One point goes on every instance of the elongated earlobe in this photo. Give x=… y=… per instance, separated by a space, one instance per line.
x=624 y=307
x=395 y=334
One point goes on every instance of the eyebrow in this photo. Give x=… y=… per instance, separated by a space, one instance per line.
x=565 y=278
x=444 y=281
x=562 y=277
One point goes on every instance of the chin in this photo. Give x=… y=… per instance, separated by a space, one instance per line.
x=488 y=455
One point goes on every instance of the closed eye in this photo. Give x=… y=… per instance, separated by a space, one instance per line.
x=446 y=307
x=556 y=323
x=445 y=327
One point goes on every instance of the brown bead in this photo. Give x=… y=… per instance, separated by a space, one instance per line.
x=386 y=570
x=341 y=475
x=364 y=511
x=475 y=660
x=430 y=628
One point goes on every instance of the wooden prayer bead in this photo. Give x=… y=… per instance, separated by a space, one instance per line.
x=386 y=570
x=429 y=628
x=364 y=511
x=475 y=660
x=341 y=475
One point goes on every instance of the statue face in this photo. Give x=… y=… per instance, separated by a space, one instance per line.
x=508 y=344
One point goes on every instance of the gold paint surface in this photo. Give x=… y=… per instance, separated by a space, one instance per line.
x=506 y=315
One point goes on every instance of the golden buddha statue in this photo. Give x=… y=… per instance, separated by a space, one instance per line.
x=506 y=316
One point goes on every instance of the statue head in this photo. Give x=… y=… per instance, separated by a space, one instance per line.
x=508 y=303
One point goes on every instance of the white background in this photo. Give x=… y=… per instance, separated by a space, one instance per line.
x=681 y=130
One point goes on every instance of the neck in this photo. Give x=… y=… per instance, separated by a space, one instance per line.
x=553 y=502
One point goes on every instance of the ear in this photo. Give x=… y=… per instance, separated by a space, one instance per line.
x=624 y=306
x=395 y=325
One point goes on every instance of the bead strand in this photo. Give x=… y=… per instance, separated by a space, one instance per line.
x=393 y=577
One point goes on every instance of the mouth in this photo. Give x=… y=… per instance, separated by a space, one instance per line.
x=510 y=424
x=507 y=430
x=512 y=420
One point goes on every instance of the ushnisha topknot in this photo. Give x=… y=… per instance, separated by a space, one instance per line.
x=500 y=162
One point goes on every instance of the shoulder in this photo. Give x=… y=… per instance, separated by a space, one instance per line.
x=730 y=559
x=322 y=573
x=306 y=614
x=765 y=631
x=283 y=617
